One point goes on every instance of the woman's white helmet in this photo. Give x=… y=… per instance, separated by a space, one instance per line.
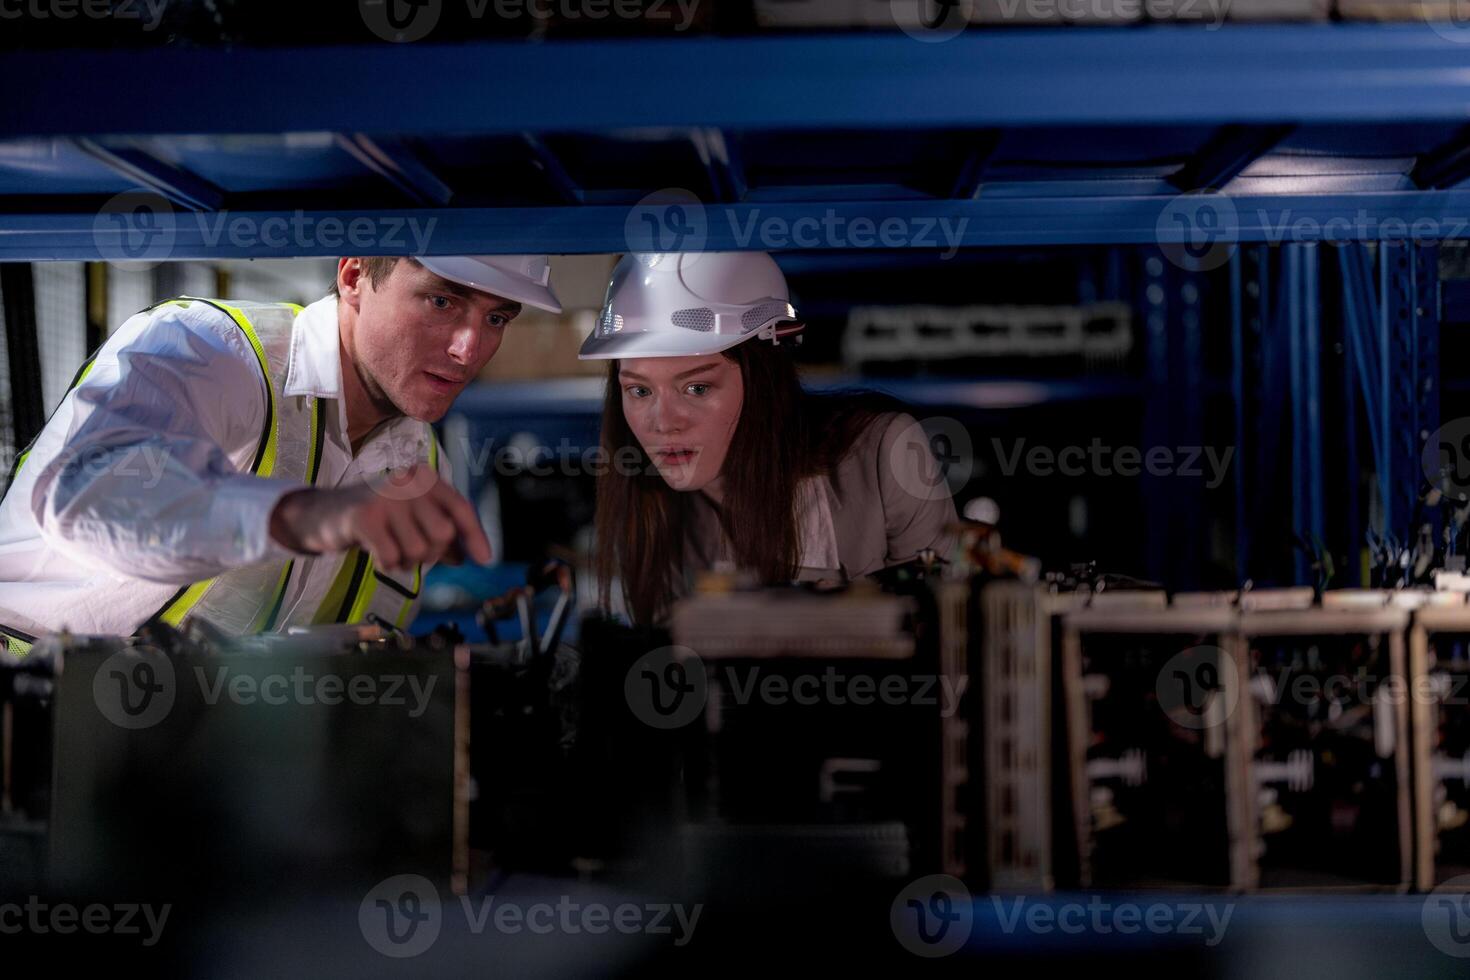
x=679 y=304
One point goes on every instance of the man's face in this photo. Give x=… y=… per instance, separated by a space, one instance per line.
x=683 y=411
x=419 y=338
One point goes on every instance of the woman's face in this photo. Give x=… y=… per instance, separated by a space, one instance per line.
x=683 y=410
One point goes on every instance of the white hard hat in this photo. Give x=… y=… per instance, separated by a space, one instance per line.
x=523 y=278
x=677 y=304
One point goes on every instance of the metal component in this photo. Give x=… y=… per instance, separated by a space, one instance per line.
x=938 y=333
x=178 y=187
x=528 y=626
x=28 y=405
x=1299 y=72
x=398 y=163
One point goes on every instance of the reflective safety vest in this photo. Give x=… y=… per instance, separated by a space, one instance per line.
x=248 y=600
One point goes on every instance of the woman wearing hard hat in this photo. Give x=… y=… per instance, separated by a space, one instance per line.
x=731 y=461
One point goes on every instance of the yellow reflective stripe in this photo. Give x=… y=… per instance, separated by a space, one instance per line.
x=418 y=581
x=365 y=590
x=81 y=376
x=268 y=611
x=16 y=645
x=418 y=570
x=175 y=611
x=327 y=611
x=267 y=460
x=367 y=585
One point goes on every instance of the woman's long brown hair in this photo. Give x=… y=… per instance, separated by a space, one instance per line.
x=783 y=435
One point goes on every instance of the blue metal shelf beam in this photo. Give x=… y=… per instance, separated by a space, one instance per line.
x=1161 y=74
x=722 y=164
x=1304 y=354
x=397 y=163
x=180 y=188
x=1228 y=153
x=1448 y=166
x=583 y=396
x=934 y=225
x=551 y=167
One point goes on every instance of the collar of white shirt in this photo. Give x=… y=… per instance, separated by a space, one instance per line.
x=314 y=365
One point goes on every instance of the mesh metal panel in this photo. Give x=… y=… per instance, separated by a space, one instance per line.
x=197 y=278
x=751 y=319
x=61 y=322
x=7 y=426
x=698 y=318
x=128 y=291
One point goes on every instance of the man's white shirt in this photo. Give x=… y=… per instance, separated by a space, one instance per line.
x=141 y=483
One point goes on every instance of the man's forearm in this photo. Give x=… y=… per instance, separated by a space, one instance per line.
x=158 y=509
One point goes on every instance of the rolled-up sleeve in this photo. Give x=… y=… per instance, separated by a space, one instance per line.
x=152 y=480
x=918 y=508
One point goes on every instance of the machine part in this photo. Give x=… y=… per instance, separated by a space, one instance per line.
x=249 y=772
x=528 y=626
x=1131 y=767
x=1296 y=772
x=886 y=335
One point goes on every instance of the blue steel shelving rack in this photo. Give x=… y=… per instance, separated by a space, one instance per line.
x=1032 y=138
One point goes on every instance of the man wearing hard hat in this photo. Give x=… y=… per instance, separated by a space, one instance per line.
x=260 y=465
